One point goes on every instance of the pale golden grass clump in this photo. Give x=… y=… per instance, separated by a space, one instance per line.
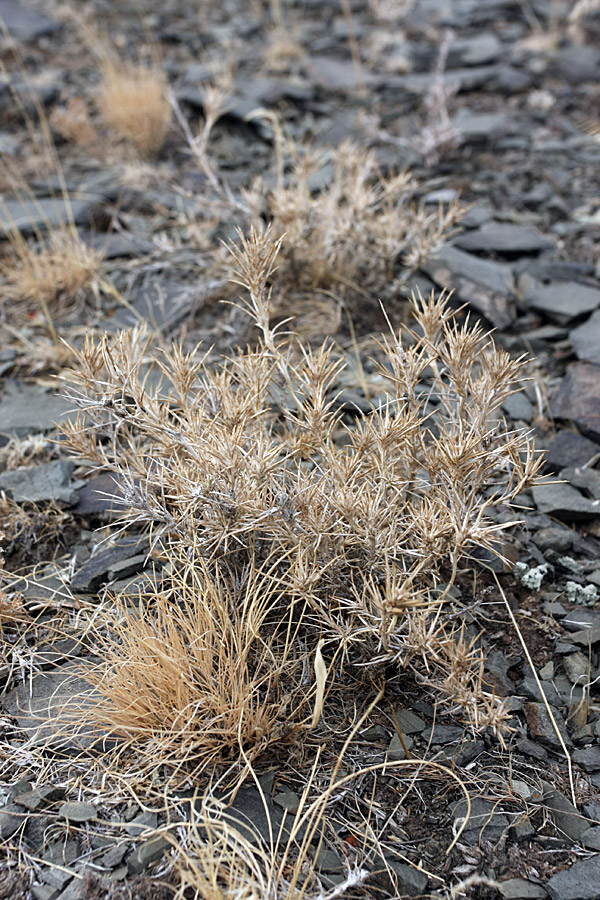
x=190 y=669
x=133 y=99
x=61 y=264
x=289 y=535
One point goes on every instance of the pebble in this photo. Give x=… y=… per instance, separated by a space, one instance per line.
x=78 y=811
x=146 y=854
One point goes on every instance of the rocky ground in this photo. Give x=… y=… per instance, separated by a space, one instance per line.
x=523 y=101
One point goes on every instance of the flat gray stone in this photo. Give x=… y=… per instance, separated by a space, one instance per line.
x=100 y=496
x=569 y=449
x=503 y=237
x=586 y=339
x=32 y=215
x=11 y=819
x=41 y=484
x=474 y=126
x=581 y=618
x=147 y=853
x=486 y=285
x=567 y=818
x=486 y=823
x=578 y=399
x=564 y=502
x=591 y=838
x=24 y=23
x=50 y=709
x=588 y=758
x=540 y=725
x=408 y=722
x=77 y=811
x=30 y=409
x=521 y=889
x=96 y=570
x=39 y=798
x=146 y=821
x=562 y=301
x=258 y=824
x=580 y=882
x=482 y=49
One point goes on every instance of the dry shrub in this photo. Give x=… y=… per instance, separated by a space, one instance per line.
x=249 y=461
x=359 y=228
x=133 y=100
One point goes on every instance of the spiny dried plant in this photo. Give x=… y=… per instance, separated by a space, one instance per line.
x=360 y=227
x=250 y=461
x=438 y=134
x=133 y=99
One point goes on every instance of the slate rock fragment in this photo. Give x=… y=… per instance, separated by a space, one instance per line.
x=567 y=448
x=578 y=399
x=580 y=882
x=504 y=238
x=486 y=285
x=25 y=23
x=30 y=409
x=41 y=484
x=96 y=570
x=565 y=502
x=586 y=339
x=563 y=301
x=38 y=214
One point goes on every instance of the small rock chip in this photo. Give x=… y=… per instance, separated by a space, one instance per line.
x=520 y=889
x=408 y=722
x=586 y=339
x=40 y=797
x=567 y=448
x=146 y=854
x=77 y=811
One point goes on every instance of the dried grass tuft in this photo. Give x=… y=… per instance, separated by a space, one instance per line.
x=194 y=672
x=133 y=99
x=60 y=265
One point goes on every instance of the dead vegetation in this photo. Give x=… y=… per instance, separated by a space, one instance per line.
x=133 y=100
x=247 y=465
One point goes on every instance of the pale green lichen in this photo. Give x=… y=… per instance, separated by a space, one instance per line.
x=531 y=578
x=586 y=596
